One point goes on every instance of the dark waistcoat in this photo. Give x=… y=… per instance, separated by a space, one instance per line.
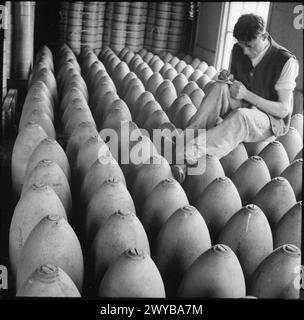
x=262 y=78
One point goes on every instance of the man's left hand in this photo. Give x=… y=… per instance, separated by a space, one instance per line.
x=238 y=90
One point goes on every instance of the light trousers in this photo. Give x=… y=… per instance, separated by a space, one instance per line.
x=228 y=122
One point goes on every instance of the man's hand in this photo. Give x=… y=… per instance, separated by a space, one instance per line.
x=238 y=90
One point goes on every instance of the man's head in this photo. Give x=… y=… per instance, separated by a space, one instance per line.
x=250 y=34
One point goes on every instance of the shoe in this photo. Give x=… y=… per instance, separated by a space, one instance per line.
x=179 y=172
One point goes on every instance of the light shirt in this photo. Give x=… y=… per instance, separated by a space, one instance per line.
x=290 y=71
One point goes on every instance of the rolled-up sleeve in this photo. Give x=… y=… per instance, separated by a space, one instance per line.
x=287 y=79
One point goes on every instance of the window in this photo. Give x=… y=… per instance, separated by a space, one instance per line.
x=230 y=13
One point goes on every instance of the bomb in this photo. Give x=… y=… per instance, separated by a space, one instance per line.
x=178 y=104
x=180 y=81
x=37 y=202
x=26 y=142
x=216 y=273
x=148 y=176
x=288 y=228
x=195 y=75
x=102 y=106
x=170 y=74
x=184 y=115
x=41 y=117
x=89 y=152
x=210 y=72
x=51 y=241
x=49 y=149
x=48 y=172
x=166 y=96
x=217 y=204
x=145 y=74
x=293 y=173
x=297 y=123
x=299 y=155
x=250 y=177
x=104 y=168
x=48 y=281
x=74 y=114
x=79 y=136
x=197 y=97
x=275 y=157
x=120 y=232
x=111 y=196
x=190 y=87
x=203 y=81
x=133 y=93
x=142 y=100
x=181 y=240
x=73 y=111
x=292 y=142
x=126 y=276
x=276 y=276
x=188 y=71
x=141 y=150
x=115 y=116
x=153 y=83
x=233 y=160
x=275 y=199
x=146 y=111
x=162 y=202
x=194 y=185
x=180 y=66
x=156 y=119
x=249 y=235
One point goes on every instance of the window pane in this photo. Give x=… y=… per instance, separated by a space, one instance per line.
x=235 y=10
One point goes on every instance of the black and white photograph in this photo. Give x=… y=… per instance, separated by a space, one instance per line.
x=151 y=157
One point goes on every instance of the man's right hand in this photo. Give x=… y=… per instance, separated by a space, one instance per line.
x=225 y=75
x=237 y=90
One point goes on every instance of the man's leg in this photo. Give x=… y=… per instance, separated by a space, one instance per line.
x=217 y=103
x=241 y=125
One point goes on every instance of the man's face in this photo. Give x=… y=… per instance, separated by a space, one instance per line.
x=254 y=47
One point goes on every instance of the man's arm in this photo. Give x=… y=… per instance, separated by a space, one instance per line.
x=278 y=108
x=284 y=87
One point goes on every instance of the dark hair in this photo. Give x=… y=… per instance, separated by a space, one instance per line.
x=248 y=27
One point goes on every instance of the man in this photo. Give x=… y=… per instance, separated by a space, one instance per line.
x=256 y=106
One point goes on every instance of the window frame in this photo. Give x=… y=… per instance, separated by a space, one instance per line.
x=224 y=32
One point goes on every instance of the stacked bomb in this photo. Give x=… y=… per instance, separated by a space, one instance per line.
x=220 y=181
x=176 y=32
x=150 y=23
x=116 y=241
x=106 y=37
x=136 y=25
x=90 y=24
x=23 y=24
x=236 y=158
x=128 y=212
x=158 y=26
x=82 y=24
x=165 y=26
x=119 y=25
x=161 y=26
x=100 y=26
x=45 y=254
x=72 y=16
